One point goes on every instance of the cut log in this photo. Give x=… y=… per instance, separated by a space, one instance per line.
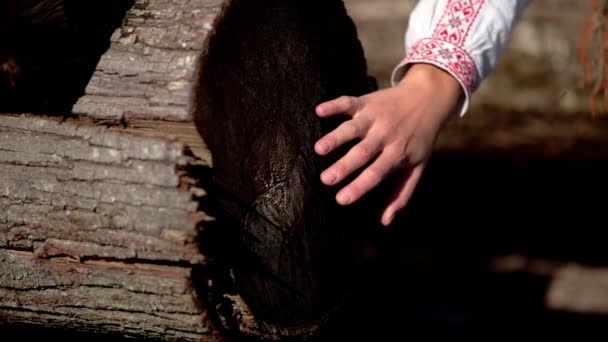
x=282 y=62
x=80 y=200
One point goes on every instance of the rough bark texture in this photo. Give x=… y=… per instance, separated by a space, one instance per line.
x=149 y=70
x=109 y=193
x=98 y=230
x=138 y=300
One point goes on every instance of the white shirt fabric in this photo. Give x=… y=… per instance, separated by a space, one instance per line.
x=463 y=37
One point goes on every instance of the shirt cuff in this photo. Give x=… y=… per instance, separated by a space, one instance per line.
x=449 y=57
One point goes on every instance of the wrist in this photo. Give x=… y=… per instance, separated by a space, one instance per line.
x=436 y=82
x=431 y=74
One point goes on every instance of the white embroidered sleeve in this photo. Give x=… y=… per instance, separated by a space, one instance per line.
x=463 y=37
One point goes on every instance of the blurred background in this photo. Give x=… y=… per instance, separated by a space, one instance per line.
x=539 y=70
x=506 y=237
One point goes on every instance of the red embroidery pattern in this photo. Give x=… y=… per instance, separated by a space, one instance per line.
x=446 y=47
x=446 y=55
x=457 y=20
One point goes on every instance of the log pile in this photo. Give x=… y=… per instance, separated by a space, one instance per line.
x=116 y=217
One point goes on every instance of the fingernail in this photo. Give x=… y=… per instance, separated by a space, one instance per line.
x=329 y=177
x=344 y=198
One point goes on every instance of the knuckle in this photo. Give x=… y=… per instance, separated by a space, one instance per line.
x=339 y=168
x=351 y=128
x=363 y=151
x=393 y=156
x=356 y=189
x=374 y=175
x=329 y=141
x=344 y=101
x=400 y=161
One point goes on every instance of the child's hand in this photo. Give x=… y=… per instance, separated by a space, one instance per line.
x=398 y=128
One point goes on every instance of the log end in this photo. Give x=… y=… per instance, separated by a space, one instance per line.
x=265 y=68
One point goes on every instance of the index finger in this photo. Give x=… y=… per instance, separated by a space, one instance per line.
x=343 y=105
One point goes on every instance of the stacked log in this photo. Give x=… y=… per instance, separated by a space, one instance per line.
x=99 y=230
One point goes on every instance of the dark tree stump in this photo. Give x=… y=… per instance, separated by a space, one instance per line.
x=259 y=82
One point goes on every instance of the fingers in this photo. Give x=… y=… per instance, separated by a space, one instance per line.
x=356 y=158
x=349 y=130
x=403 y=194
x=343 y=105
x=367 y=180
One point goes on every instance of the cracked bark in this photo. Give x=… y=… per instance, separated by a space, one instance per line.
x=99 y=229
x=137 y=299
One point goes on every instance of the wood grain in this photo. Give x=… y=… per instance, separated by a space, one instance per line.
x=260 y=79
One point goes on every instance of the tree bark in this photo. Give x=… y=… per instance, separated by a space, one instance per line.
x=133 y=299
x=99 y=229
x=149 y=69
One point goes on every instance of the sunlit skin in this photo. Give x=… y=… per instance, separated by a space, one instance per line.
x=398 y=128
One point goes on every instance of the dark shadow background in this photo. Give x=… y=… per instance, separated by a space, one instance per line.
x=57 y=53
x=431 y=275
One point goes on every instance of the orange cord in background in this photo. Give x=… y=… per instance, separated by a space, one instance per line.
x=585 y=42
x=594 y=57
